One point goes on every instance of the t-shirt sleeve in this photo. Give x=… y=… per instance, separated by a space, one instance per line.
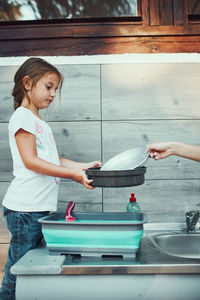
x=22 y=119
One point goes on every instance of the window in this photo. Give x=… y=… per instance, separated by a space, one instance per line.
x=194 y=7
x=21 y=10
x=194 y=10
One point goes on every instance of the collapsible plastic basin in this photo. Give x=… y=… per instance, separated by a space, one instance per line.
x=94 y=234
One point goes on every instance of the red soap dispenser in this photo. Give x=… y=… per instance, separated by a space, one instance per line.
x=133 y=206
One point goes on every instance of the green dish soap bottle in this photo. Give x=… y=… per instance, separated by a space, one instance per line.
x=133 y=206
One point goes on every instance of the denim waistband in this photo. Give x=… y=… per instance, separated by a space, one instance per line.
x=6 y=211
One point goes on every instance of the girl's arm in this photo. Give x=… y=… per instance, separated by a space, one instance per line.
x=26 y=144
x=165 y=149
x=67 y=163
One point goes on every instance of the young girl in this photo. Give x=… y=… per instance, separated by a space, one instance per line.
x=37 y=166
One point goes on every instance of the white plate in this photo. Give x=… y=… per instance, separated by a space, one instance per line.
x=127 y=160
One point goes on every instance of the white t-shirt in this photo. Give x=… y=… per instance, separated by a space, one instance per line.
x=30 y=191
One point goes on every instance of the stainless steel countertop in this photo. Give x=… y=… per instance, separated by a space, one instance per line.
x=149 y=260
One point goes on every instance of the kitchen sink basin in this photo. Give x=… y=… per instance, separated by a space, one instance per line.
x=178 y=244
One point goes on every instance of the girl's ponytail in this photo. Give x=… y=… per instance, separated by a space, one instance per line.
x=18 y=93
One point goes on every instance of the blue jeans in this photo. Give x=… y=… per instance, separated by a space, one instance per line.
x=25 y=235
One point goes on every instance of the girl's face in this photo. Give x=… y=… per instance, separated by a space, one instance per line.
x=43 y=92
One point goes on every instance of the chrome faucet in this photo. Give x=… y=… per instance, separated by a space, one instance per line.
x=192 y=218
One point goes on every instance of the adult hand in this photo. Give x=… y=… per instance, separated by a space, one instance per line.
x=159 y=150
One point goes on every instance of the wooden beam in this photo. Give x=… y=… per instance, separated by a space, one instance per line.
x=109 y=45
x=93 y=31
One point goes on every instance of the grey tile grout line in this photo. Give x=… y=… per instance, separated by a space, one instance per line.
x=101 y=117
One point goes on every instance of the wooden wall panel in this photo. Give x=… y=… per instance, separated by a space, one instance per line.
x=129 y=113
x=85 y=199
x=154 y=12
x=80 y=95
x=6 y=160
x=179 y=12
x=79 y=141
x=6 y=86
x=164 y=201
x=119 y=136
x=150 y=91
x=145 y=12
x=161 y=12
x=166 y=12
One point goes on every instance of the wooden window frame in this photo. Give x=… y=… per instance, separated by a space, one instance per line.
x=192 y=19
x=63 y=28
x=129 y=19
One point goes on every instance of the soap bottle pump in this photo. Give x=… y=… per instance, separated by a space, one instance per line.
x=133 y=206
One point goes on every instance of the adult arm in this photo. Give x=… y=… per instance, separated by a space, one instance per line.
x=164 y=149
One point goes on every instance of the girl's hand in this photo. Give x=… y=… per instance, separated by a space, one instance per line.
x=81 y=177
x=94 y=164
x=85 y=181
x=77 y=170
